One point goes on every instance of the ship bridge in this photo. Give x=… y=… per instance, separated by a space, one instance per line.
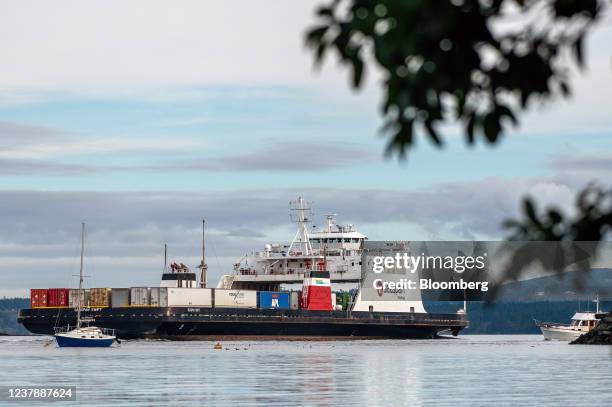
x=335 y=248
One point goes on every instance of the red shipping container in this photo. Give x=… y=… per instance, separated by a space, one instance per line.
x=38 y=297
x=58 y=297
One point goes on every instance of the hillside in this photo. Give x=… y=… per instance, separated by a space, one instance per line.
x=8 y=315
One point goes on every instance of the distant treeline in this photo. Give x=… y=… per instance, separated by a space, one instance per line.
x=8 y=315
x=514 y=317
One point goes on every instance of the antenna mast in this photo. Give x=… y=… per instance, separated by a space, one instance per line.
x=203 y=266
x=301 y=213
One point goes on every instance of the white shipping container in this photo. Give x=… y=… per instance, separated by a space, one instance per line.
x=235 y=299
x=73 y=297
x=333 y=298
x=189 y=297
x=158 y=296
x=294 y=300
x=139 y=296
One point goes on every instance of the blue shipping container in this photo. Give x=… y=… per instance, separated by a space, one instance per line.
x=272 y=300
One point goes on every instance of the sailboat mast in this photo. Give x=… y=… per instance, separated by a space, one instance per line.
x=81 y=294
x=203 y=265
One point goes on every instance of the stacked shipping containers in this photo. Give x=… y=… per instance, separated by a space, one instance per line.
x=176 y=297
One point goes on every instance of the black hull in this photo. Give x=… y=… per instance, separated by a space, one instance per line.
x=200 y=323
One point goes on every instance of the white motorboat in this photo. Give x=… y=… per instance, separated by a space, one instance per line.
x=581 y=323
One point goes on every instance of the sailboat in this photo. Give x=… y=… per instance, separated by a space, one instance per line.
x=83 y=334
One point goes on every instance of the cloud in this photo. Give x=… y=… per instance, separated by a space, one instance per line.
x=600 y=163
x=95 y=47
x=281 y=156
x=16 y=135
x=39 y=230
x=23 y=167
x=40 y=217
x=278 y=156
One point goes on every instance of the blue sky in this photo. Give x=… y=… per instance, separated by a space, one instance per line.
x=142 y=120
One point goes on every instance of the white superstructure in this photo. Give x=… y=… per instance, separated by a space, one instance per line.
x=335 y=248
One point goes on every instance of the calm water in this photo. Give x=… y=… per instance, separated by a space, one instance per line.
x=471 y=370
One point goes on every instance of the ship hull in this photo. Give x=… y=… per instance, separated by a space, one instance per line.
x=202 y=323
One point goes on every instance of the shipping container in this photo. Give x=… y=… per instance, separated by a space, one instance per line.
x=295 y=299
x=158 y=296
x=273 y=300
x=139 y=296
x=73 y=296
x=120 y=297
x=187 y=297
x=58 y=297
x=333 y=300
x=99 y=297
x=235 y=299
x=38 y=297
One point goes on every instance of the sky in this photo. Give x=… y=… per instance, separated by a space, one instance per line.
x=140 y=120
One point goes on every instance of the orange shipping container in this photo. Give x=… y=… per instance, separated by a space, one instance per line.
x=99 y=297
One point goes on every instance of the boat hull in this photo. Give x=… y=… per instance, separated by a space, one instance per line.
x=64 y=341
x=552 y=333
x=196 y=323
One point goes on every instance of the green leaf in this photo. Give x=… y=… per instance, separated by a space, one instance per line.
x=555 y=216
x=492 y=127
x=578 y=50
x=469 y=128
x=432 y=132
x=506 y=111
x=530 y=211
x=315 y=36
x=357 y=71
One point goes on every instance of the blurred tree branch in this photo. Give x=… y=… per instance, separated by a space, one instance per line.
x=592 y=221
x=477 y=62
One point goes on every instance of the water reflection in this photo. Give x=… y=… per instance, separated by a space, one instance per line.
x=467 y=371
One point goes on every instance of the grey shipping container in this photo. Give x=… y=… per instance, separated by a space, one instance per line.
x=120 y=297
x=158 y=296
x=73 y=296
x=139 y=296
x=294 y=301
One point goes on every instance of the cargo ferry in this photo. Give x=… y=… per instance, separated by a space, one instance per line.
x=282 y=291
